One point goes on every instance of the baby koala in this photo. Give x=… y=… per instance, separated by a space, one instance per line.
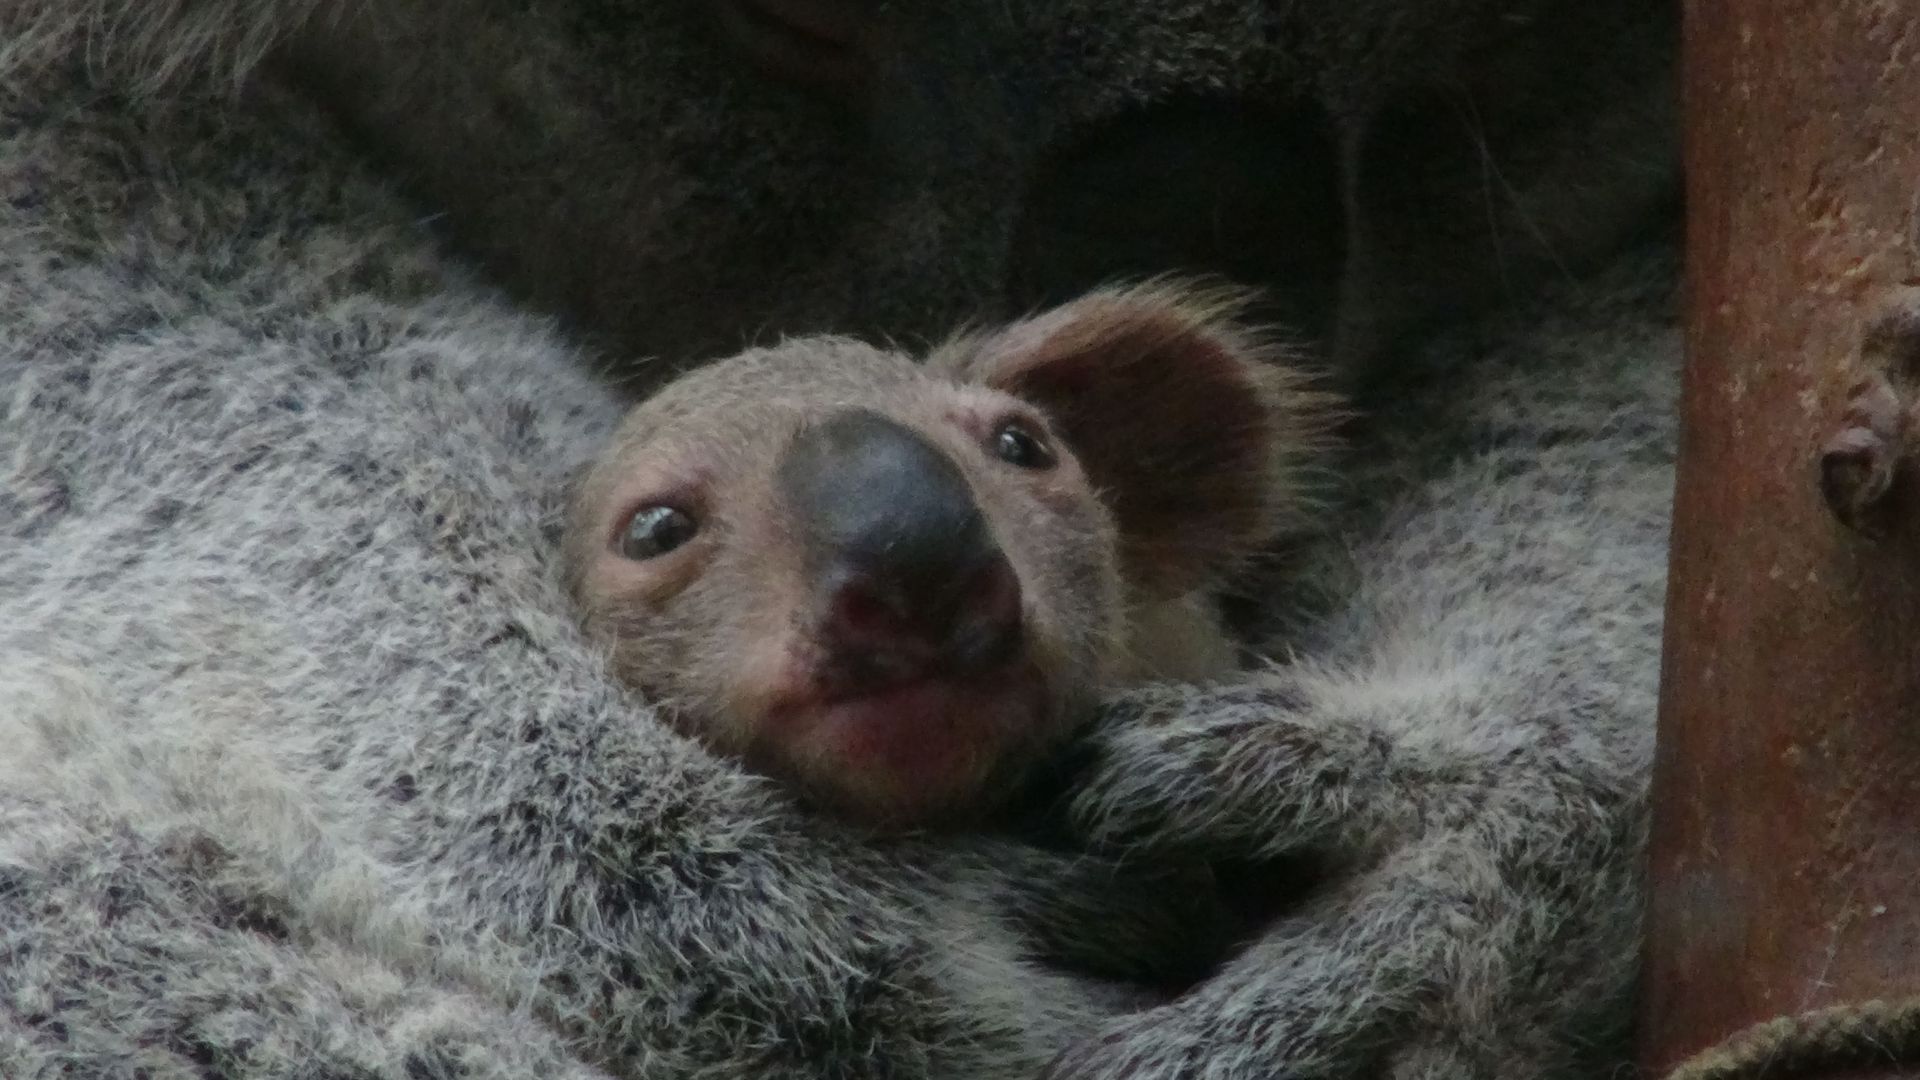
x=898 y=585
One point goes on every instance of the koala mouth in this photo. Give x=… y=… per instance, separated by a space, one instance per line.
x=912 y=748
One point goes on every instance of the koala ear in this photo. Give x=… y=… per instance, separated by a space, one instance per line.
x=1194 y=430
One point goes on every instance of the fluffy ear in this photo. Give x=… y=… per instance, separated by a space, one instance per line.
x=1195 y=431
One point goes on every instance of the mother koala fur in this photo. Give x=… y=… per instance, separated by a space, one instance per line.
x=307 y=771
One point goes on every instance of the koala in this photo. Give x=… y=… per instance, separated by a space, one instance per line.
x=310 y=769
x=899 y=585
x=308 y=308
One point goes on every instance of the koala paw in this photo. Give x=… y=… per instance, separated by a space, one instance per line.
x=1246 y=771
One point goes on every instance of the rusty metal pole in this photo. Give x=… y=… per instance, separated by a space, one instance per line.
x=1786 y=853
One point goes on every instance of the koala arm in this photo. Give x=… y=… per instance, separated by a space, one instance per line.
x=1466 y=739
x=1467 y=870
x=1286 y=762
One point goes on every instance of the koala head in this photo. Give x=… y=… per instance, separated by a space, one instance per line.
x=895 y=584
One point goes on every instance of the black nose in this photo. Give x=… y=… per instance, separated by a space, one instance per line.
x=906 y=563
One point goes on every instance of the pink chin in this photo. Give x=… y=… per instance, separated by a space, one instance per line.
x=920 y=743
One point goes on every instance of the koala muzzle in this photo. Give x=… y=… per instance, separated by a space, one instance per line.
x=909 y=576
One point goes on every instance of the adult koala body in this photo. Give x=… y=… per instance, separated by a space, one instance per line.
x=308 y=773
x=657 y=167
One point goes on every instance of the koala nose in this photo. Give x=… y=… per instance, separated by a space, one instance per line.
x=908 y=569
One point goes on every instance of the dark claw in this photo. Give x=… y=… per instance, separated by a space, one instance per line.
x=1859 y=462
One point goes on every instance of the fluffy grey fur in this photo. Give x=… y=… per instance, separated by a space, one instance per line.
x=308 y=773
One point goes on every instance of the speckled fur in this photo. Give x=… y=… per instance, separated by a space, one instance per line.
x=307 y=772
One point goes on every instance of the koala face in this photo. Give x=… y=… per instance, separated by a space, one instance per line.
x=896 y=585
x=873 y=580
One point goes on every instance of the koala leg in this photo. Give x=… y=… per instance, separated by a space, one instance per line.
x=127 y=956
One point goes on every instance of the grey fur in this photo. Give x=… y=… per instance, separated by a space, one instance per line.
x=307 y=772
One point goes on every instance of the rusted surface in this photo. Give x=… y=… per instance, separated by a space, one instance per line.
x=1878 y=437
x=1786 y=859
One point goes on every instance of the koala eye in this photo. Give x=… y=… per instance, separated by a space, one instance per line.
x=1016 y=444
x=655 y=530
